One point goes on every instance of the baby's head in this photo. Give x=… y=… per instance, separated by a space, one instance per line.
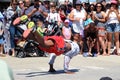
x=39 y=21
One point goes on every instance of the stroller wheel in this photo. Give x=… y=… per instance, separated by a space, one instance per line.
x=21 y=54
x=39 y=52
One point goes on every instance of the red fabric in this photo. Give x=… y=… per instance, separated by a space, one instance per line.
x=62 y=17
x=58 y=48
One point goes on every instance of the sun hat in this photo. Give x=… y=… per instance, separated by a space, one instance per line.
x=113 y=2
x=78 y=2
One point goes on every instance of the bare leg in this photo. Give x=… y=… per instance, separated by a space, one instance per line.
x=13 y=52
x=116 y=34
x=102 y=43
x=1 y=51
x=109 y=37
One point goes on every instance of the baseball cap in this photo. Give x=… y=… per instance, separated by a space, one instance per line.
x=66 y=21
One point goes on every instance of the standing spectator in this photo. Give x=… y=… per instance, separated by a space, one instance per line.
x=91 y=9
x=77 y=16
x=35 y=10
x=47 y=6
x=113 y=27
x=86 y=7
x=66 y=30
x=66 y=2
x=69 y=9
x=27 y=9
x=7 y=45
x=1 y=37
x=11 y=14
x=62 y=12
x=21 y=7
x=99 y=19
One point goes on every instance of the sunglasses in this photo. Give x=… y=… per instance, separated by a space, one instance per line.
x=14 y=3
x=98 y=6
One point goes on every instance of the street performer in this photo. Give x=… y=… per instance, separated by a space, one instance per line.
x=54 y=44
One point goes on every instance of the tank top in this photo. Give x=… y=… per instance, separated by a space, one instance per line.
x=78 y=25
x=99 y=23
x=112 y=17
x=67 y=32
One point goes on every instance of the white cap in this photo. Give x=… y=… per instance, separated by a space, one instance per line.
x=66 y=21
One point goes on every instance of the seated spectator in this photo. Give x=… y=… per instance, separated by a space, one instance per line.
x=90 y=40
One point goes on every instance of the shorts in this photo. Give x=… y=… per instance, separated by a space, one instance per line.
x=114 y=27
x=1 y=41
x=101 y=32
x=74 y=50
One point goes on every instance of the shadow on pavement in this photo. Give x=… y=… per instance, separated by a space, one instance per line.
x=34 y=74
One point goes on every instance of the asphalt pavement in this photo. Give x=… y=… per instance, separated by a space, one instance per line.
x=85 y=68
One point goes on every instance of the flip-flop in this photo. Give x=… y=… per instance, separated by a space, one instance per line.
x=16 y=21
x=26 y=33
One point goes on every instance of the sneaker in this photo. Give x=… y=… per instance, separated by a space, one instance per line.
x=85 y=54
x=94 y=55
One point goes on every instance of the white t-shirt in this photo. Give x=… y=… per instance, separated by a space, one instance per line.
x=53 y=17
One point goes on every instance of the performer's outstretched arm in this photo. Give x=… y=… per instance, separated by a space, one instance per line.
x=41 y=41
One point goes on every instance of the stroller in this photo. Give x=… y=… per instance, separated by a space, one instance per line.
x=26 y=47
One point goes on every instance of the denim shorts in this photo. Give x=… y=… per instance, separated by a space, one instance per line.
x=114 y=27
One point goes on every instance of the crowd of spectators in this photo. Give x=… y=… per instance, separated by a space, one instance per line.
x=95 y=26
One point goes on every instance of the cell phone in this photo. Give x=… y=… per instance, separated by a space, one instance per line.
x=36 y=5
